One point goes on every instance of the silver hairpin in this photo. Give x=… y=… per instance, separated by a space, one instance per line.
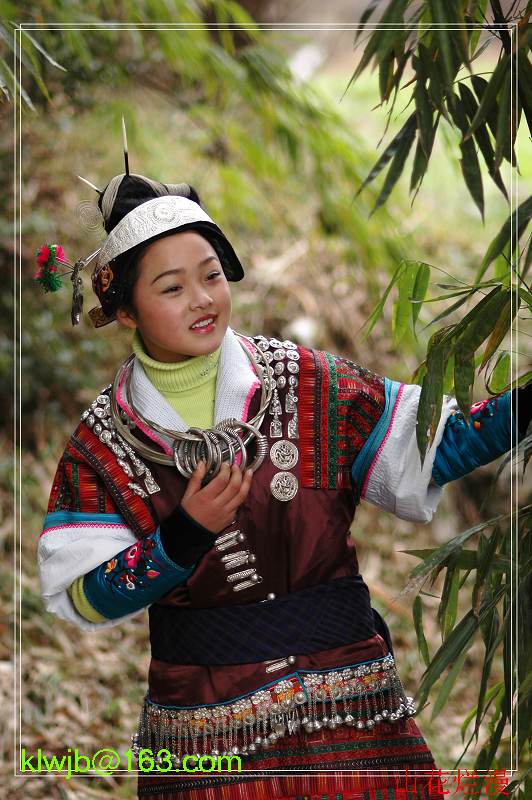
x=124 y=139
x=90 y=184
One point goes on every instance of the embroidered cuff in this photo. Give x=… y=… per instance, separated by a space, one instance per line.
x=464 y=447
x=134 y=578
x=185 y=540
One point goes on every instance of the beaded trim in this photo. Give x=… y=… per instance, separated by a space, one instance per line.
x=360 y=696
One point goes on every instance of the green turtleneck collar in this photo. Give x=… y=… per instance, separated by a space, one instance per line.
x=178 y=376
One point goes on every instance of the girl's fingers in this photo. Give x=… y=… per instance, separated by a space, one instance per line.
x=233 y=486
x=194 y=482
x=217 y=485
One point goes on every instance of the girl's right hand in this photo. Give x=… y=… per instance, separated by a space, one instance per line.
x=214 y=505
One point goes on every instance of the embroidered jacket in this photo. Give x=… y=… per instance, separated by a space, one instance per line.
x=354 y=437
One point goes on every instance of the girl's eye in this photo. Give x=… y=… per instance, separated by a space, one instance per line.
x=213 y=275
x=171 y=289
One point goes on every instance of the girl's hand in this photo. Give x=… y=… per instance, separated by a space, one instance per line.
x=214 y=505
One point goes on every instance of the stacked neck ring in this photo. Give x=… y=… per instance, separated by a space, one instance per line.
x=229 y=441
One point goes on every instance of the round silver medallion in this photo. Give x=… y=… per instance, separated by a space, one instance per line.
x=165 y=214
x=268 y=356
x=279 y=354
x=292 y=381
x=293 y=355
x=275 y=343
x=289 y=345
x=279 y=367
x=281 y=381
x=263 y=344
x=284 y=454
x=103 y=400
x=293 y=366
x=284 y=486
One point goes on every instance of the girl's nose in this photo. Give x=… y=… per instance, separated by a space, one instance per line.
x=200 y=299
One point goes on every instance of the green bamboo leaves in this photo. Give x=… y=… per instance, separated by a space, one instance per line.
x=489 y=320
x=485 y=113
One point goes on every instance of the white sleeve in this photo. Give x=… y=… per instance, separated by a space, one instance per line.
x=395 y=480
x=71 y=545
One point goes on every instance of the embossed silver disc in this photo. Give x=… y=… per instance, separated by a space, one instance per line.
x=284 y=486
x=284 y=454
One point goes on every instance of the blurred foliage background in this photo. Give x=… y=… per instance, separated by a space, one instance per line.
x=258 y=120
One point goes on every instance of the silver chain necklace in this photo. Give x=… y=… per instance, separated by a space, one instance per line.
x=222 y=443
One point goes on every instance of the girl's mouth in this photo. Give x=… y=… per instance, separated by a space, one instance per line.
x=204 y=325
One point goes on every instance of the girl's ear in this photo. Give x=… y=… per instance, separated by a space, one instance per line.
x=126 y=319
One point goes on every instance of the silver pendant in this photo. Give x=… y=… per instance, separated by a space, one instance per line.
x=276 y=428
x=290 y=401
x=275 y=404
x=293 y=429
x=284 y=486
x=281 y=381
x=150 y=484
x=137 y=489
x=284 y=454
x=293 y=367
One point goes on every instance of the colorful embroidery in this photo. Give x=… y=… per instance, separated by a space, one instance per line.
x=135 y=567
x=349 y=400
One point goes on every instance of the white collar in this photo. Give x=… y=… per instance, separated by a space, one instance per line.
x=236 y=380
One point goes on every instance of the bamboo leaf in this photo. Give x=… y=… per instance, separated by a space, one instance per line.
x=445 y=41
x=469 y=162
x=500 y=375
x=421 y=285
x=377 y=311
x=406 y=133
x=386 y=75
x=417 y=612
x=453 y=307
x=482 y=137
x=397 y=165
x=431 y=397
x=447 y=685
x=370 y=8
x=501 y=327
x=518 y=221
x=439 y=555
x=486 y=667
x=449 y=602
x=423 y=109
x=403 y=306
x=42 y=50
x=464 y=377
x=503 y=121
x=490 y=694
x=458 y=642
x=489 y=95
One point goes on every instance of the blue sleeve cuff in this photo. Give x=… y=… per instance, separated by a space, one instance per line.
x=464 y=447
x=134 y=578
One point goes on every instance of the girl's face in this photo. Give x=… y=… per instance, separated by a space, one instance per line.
x=180 y=283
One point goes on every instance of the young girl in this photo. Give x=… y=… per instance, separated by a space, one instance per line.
x=215 y=483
